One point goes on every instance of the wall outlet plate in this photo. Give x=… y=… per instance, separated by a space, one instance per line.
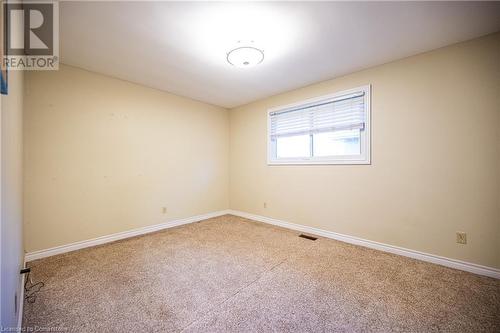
x=461 y=237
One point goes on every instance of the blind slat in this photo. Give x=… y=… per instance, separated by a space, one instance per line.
x=344 y=113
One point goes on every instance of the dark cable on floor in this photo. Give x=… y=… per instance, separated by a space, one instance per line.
x=31 y=289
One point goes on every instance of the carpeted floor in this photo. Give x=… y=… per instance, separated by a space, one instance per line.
x=229 y=274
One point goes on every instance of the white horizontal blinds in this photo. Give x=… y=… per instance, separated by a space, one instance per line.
x=342 y=113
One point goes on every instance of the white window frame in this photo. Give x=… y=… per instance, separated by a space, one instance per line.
x=365 y=136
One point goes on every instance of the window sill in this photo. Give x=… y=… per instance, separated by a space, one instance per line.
x=323 y=162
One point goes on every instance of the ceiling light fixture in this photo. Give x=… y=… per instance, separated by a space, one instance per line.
x=245 y=56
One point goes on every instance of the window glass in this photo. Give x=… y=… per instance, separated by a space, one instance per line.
x=337 y=143
x=293 y=146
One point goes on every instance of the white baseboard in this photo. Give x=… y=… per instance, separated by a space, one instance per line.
x=453 y=263
x=20 y=307
x=448 y=262
x=120 y=235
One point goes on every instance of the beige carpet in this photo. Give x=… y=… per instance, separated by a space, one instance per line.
x=230 y=274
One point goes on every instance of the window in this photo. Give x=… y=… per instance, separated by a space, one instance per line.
x=333 y=129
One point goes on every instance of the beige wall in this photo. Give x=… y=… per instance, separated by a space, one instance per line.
x=104 y=156
x=435 y=158
x=11 y=227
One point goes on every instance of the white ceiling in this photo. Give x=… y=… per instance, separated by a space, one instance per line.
x=181 y=47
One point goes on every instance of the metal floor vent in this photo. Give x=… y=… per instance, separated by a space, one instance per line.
x=308 y=237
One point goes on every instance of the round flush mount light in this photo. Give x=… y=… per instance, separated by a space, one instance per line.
x=245 y=56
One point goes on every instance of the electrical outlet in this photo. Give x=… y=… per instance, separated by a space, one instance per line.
x=265 y=204
x=164 y=210
x=461 y=237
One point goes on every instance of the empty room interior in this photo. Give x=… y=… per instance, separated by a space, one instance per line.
x=250 y=166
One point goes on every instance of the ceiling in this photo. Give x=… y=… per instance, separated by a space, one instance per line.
x=181 y=47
